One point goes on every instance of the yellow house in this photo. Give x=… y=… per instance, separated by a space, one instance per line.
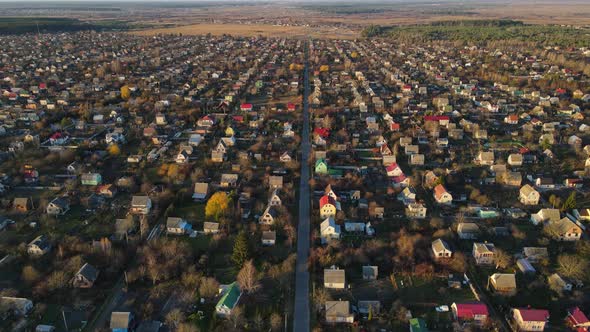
x=229 y=131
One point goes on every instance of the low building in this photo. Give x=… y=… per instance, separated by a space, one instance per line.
x=370 y=272
x=39 y=246
x=503 y=283
x=121 y=321
x=17 y=305
x=334 y=278
x=528 y=195
x=229 y=300
x=339 y=312
x=177 y=226
x=530 y=319
x=85 y=277
x=476 y=312
x=440 y=249
x=269 y=238
x=483 y=253
x=141 y=205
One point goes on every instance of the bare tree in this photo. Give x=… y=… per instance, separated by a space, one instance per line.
x=248 y=278
x=237 y=316
x=502 y=258
x=174 y=317
x=572 y=266
x=209 y=287
x=276 y=322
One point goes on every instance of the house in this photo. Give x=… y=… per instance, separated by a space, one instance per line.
x=217 y=156
x=200 y=191
x=535 y=254
x=476 y=312
x=85 y=277
x=441 y=195
x=269 y=215
x=210 y=227
x=527 y=319
x=376 y=212
x=512 y=179
x=274 y=199
x=91 y=179
x=321 y=166
x=468 y=231
x=121 y=321
x=407 y=196
x=394 y=170
x=503 y=283
x=558 y=284
x=440 y=249
x=577 y=320
x=329 y=230
x=275 y=182
x=564 y=230
x=229 y=300
x=269 y=238
x=285 y=157
x=525 y=266
x=328 y=207
x=58 y=206
x=39 y=246
x=228 y=180
x=545 y=215
x=177 y=226
x=528 y=195
x=483 y=253
x=370 y=272
x=515 y=159
x=107 y=190
x=418 y=325
x=339 y=312
x=182 y=157
x=22 y=204
x=485 y=158
x=417 y=159
x=416 y=210
x=334 y=278
x=141 y=205
x=18 y=305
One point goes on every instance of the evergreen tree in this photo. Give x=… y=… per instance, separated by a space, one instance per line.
x=241 y=252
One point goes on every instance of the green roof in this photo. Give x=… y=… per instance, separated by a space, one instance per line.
x=418 y=325
x=231 y=296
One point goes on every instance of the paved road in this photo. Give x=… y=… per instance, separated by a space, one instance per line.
x=301 y=320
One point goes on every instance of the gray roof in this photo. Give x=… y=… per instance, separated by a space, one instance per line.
x=139 y=200
x=269 y=235
x=173 y=222
x=370 y=271
x=337 y=308
x=88 y=272
x=439 y=245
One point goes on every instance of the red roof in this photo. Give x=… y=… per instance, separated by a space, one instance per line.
x=392 y=167
x=468 y=310
x=42 y=86
x=238 y=118
x=323 y=132
x=533 y=315
x=524 y=150
x=399 y=179
x=575 y=316
x=395 y=126
x=327 y=200
x=291 y=106
x=436 y=118
x=246 y=106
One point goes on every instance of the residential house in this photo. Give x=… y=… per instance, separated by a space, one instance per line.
x=328 y=207
x=528 y=195
x=275 y=182
x=329 y=230
x=269 y=238
x=512 y=179
x=468 y=231
x=18 y=305
x=39 y=246
x=394 y=170
x=210 y=227
x=200 y=191
x=177 y=226
x=527 y=319
x=558 y=284
x=334 y=278
x=321 y=167
x=577 y=320
x=229 y=300
x=274 y=199
x=339 y=312
x=525 y=266
x=485 y=158
x=476 y=312
x=370 y=272
x=535 y=254
x=483 y=253
x=417 y=159
x=416 y=210
x=503 y=283
x=228 y=180
x=285 y=157
x=121 y=321
x=107 y=190
x=515 y=159
x=440 y=249
x=269 y=215
x=141 y=205
x=441 y=195
x=545 y=216
x=564 y=230
x=22 y=204
x=58 y=206
x=85 y=277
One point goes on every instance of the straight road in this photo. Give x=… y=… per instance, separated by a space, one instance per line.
x=301 y=320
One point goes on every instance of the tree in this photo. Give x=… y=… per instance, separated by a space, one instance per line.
x=241 y=251
x=209 y=288
x=248 y=278
x=502 y=259
x=114 y=150
x=555 y=201
x=125 y=92
x=174 y=317
x=30 y=274
x=276 y=322
x=237 y=316
x=570 y=202
x=217 y=205
x=572 y=266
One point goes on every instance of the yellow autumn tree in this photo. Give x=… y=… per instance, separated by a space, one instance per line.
x=217 y=205
x=172 y=172
x=354 y=55
x=114 y=150
x=125 y=92
x=324 y=68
